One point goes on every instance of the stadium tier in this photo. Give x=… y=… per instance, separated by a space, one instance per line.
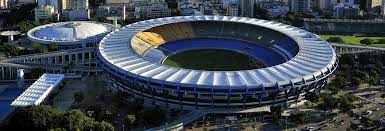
x=294 y=62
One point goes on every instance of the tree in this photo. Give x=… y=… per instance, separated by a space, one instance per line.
x=300 y=118
x=96 y=3
x=276 y=110
x=367 y=41
x=262 y=14
x=347 y=59
x=11 y=49
x=312 y=97
x=52 y=47
x=78 y=96
x=35 y=73
x=42 y=117
x=346 y=103
x=340 y=82
x=33 y=118
x=25 y=26
x=330 y=103
x=364 y=59
x=361 y=75
x=120 y=98
x=356 y=81
x=335 y=39
x=130 y=119
x=153 y=116
x=39 y=48
x=103 y=126
x=76 y=120
x=96 y=112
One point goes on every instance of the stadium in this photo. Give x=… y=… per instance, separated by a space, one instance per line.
x=192 y=62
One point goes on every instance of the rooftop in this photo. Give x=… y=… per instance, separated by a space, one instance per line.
x=39 y=90
x=73 y=32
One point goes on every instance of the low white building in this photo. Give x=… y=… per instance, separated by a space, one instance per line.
x=111 y=10
x=152 y=10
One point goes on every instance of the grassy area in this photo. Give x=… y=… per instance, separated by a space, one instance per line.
x=354 y=40
x=212 y=59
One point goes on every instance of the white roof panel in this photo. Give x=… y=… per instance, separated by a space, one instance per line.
x=39 y=90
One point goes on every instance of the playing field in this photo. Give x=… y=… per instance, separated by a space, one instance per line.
x=354 y=40
x=212 y=59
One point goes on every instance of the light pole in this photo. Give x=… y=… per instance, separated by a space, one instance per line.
x=123 y=127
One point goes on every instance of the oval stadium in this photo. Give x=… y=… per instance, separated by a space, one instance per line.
x=192 y=62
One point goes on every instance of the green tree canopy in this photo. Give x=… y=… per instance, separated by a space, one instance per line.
x=130 y=119
x=42 y=117
x=347 y=59
x=34 y=118
x=52 y=47
x=356 y=81
x=262 y=14
x=330 y=103
x=300 y=118
x=367 y=41
x=340 y=82
x=335 y=39
x=153 y=116
x=11 y=49
x=312 y=96
x=277 y=110
x=25 y=26
x=361 y=75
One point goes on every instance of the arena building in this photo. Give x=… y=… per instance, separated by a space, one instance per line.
x=276 y=64
x=70 y=34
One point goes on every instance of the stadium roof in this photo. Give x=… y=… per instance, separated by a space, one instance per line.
x=315 y=57
x=39 y=90
x=69 y=33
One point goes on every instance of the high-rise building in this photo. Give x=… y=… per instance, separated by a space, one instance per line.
x=4 y=4
x=232 y=10
x=246 y=8
x=324 y=4
x=57 y=4
x=77 y=4
x=383 y=9
x=44 y=12
x=76 y=9
x=370 y=4
x=346 y=10
x=300 y=6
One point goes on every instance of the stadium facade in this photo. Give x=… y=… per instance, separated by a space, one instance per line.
x=299 y=62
